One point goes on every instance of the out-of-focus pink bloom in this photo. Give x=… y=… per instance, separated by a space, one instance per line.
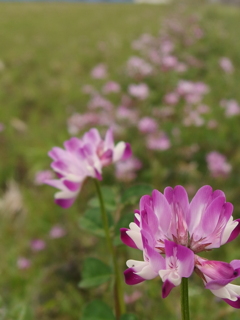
x=42 y=176
x=159 y=141
x=88 y=89
x=163 y=112
x=136 y=295
x=231 y=107
x=212 y=124
x=127 y=114
x=111 y=87
x=167 y=46
x=181 y=67
x=192 y=91
x=138 y=68
x=169 y=62
x=143 y=42
x=78 y=122
x=23 y=263
x=99 y=71
x=193 y=119
x=147 y=125
x=126 y=170
x=2 y=127
x=83 y=158
x=198 y=32
x=139 y=91
x=171 y=98
x=38 y=245
x=217 y=164
x=226 y=65
x=154 y=56
x=202 y=109
x=57 y=232
x=98 y=101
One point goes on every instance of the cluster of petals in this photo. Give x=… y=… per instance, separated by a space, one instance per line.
x=171 y=232
x=82 y=158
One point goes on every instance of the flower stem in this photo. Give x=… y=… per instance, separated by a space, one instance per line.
x=184 y=299
x=118 y=291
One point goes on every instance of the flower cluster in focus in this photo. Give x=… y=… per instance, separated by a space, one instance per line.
x=171 y=232
x=82 y=158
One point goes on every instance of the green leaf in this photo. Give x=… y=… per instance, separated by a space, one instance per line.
x=91 y=221
x=97 y=310
x=123 y=222
x=109 y=198
x=128 y=316
x=94 y=273
x=134 y=193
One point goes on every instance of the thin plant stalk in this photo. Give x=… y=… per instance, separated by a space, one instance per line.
x=184 y=299
x=118 y=291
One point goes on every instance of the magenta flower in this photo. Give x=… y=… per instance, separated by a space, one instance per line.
x=38 y=245
x=139 y=91
x=42 y=176
x=23 y=263
x=217 y=164
x=57 y=232
x=83 y=158
x=99 y=71
x=226 y=65
x=171 y=232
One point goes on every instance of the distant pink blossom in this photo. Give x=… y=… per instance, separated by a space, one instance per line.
x=57 y=232
x=158 y=141
x=38 y=245
x=212 y=124
x=78 y=122
x=167 y=46
x=97 y=101
x=124 y=113
x=139 y=91
x=138 y=68
x=23 y=263
x=99 y=71
x=171 y=98
x=111 y=87
x=147 y=125
x=193 y=118
x=217 y=164
x=42 y=176
x=88 y=89
x=126 y=170
x=231 y=107
x=136 y=295
x=226 y=65
x=169 y=62
x=2 y=127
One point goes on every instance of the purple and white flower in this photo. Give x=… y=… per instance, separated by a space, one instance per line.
x=82 y=158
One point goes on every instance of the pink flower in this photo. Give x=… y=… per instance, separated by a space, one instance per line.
x=231 y=107
x=226 y=65
x=2 y=127
x=159 y=141
x=23 y=263
x=98 y=101
x=171 y=232
x=147 y=125
x=139 y=91
x=217 y=164
x=78 y=122
x=126 y=170
x=99 y=71
x=57 y=232
x=171 y=98
x=38 y=245
x=138 y=68
x=111 y=87
x=42 y=176
x=83 y=158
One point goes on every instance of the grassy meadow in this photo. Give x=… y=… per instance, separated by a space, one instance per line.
x=47 y=53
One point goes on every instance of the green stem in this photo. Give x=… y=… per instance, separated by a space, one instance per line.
x=184 y=299
x=118 y=291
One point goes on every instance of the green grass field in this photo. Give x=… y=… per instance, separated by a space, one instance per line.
x=47 y=52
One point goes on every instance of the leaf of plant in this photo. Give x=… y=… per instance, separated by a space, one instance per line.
x=98 y=310
x=94 y=273
x=128 y=316
x=134 y=193
x=123 y=222
x=91 y=221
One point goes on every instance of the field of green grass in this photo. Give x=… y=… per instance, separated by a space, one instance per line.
x=47 y=52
